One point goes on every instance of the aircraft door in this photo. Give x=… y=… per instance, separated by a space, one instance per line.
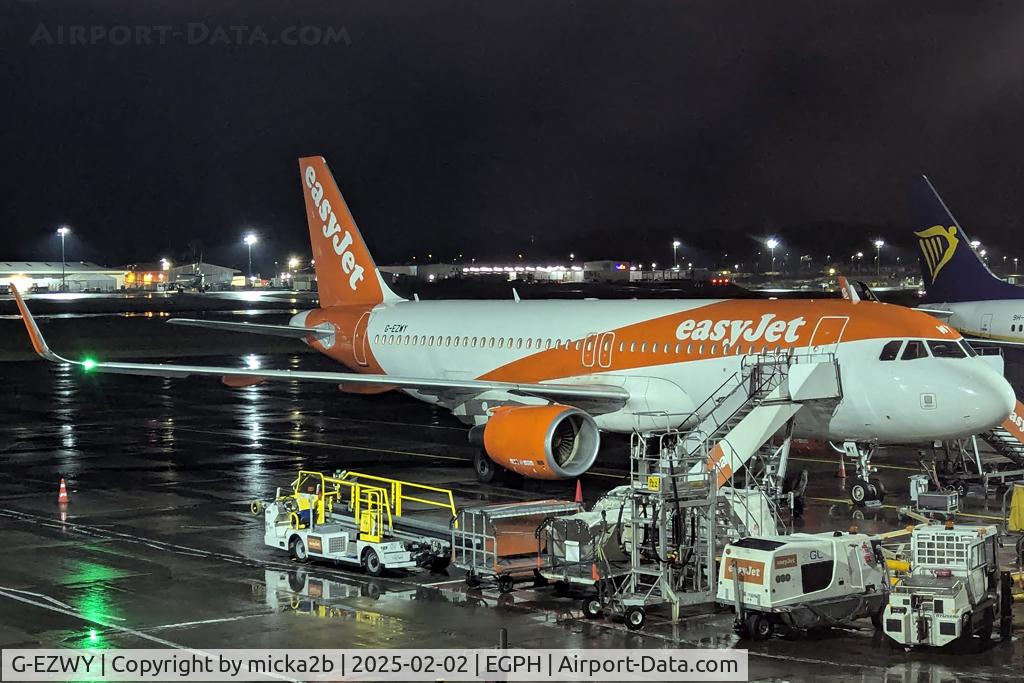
x=590 y=350
x=604 y=351
x=827 y=333
x=986 y=324
x=359 y=339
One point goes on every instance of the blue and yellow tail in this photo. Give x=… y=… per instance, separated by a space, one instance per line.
x=951 y=269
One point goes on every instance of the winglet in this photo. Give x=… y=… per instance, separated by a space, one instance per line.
x=34 y=335
x=848 y=291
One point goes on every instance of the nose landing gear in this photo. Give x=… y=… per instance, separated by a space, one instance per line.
x=864 y=489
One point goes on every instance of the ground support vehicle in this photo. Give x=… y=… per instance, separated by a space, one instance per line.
x=359 y=520
x=954 y=589
x=802 y=581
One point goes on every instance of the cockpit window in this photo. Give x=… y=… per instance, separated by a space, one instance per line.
x=891 y=350
x=914 y=350
x=946 y=349
x=968 y=348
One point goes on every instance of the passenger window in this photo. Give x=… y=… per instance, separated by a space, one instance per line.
x=465 y=342
x=914 y=350
x=376 y=339
x=519 y=343
x=678 y=347
x=622 y=346
x=632 y=347
x=431 y=342
x=968 y=348
x=643 y=347
x=946 y=349
x=666 y=348
x=529 y=343
x=689 y=349
x=510 y=342
x=725 y=348
x=891 y=350
x=547 y=344
x=700 y=350
x=579 y=345
x=714 y=349
x=558 y=342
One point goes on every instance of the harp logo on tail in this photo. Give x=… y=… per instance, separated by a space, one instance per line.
x=938 y=243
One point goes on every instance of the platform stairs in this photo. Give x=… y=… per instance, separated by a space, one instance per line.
x=735 y=424
x=1006 y=444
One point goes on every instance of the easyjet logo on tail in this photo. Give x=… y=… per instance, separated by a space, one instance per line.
x=938 y=244
x=342 y=242
x=767 y=328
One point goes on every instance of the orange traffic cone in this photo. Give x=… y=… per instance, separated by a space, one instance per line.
x=62 y=496
x=579 y=492
x=842 y=466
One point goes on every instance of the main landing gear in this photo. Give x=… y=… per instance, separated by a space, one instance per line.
x=864 y=489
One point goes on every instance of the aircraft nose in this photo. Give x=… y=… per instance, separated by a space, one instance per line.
x=987 y=400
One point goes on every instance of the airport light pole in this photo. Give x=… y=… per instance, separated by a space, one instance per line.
x=63 y=232
x=1014 y=265
x=293 y=263
x=675 y=247
x=878 y=257
x=771 y=244
x=250 y=239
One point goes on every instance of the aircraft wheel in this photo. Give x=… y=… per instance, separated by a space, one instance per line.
x=860 y=491
x=486 y=469
x=878 y=490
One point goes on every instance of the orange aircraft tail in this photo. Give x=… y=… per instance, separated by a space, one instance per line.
x=345 y=271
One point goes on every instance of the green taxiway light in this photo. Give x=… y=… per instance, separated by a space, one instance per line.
x=88 y=363
x=92 y=634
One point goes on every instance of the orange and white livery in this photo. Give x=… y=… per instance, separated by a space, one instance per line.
x=541 y=379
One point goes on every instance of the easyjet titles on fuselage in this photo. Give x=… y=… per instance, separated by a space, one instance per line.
x=767 y=329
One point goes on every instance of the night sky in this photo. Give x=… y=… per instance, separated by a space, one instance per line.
x=493 y=128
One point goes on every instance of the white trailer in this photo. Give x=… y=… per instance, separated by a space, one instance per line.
x=802 y=581
x=954 y=589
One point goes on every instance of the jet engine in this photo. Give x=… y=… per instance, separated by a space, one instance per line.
x=542 y=442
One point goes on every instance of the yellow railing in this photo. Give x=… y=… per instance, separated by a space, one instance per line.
x=370 y=505
x=407 y=492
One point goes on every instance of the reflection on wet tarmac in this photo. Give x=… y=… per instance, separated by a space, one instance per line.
x=158 y=539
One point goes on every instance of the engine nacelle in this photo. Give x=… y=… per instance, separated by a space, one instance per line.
x=542 y=442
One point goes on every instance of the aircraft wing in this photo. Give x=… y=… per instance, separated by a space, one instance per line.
x=254 y=328
x=426 y=384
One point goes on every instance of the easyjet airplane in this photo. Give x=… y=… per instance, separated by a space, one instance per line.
x=538 y=380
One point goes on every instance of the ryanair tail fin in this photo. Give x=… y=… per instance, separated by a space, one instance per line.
x=345 y=271
x=951 y=269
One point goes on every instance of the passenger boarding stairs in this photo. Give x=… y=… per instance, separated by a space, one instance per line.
x=736 y=423
x=1006 y=444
